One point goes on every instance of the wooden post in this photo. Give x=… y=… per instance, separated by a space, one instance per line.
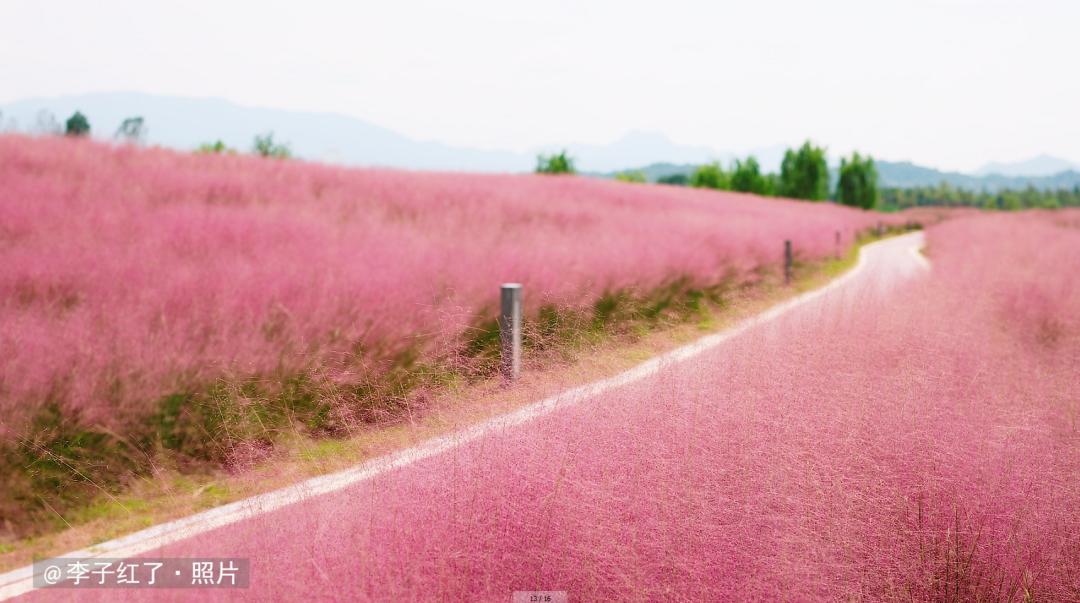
x=838 y=246
x=788 y=260
x=880 y=229
x=510 y=331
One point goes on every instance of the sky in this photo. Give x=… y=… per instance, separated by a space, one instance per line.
x=951 y=84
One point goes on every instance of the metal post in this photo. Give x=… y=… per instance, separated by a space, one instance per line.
x=838 y=247
x=510 y=331
x=880 y=229
x=787 y=262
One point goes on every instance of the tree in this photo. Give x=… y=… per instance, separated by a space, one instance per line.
x=772 y=185
x=857 y=185
x=674 y=179
x=710 y=175
x=265 y=146
x=131 y=129
x=804 y=174
x=77 y=125
x=634 y=176
x=746 y=177
x=558 y=163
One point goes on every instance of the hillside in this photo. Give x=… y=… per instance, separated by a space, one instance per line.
x=194 y=306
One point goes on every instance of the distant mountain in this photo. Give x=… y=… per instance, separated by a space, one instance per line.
x=185 y=123
x=1043 y=165
x=906 y=175
x=637 y=148
x=653 y=171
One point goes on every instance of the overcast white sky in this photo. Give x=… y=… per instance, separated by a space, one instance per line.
x=947 y=83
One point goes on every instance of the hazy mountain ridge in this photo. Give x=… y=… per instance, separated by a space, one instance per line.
x=185 y=123
x=906 y=175
x=1043 y=165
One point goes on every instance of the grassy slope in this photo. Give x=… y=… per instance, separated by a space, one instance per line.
x=585 y=350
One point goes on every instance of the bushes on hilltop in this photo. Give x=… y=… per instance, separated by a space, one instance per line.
x=557 y=163
x=77 y=125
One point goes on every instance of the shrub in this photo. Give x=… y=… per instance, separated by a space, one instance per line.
x=214 y=148
x=674 y=179
x=635 y=176
x=558 y=163
x=264 y=146
x=710 y=175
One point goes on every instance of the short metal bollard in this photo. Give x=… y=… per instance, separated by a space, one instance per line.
x=510 y=331
x=788 y=261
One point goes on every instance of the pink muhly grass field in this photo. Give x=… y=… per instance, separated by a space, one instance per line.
x=920 y=443
x=127 y=274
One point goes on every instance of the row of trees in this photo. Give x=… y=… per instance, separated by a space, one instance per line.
x=946 y=195
x=804 y=174
x=133 y=129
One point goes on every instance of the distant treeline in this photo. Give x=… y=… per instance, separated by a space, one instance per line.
x=945 y=195
x=804 y=174
x=133 y=130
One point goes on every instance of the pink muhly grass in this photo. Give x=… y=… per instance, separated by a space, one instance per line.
x=915 y=442
x=127 y=274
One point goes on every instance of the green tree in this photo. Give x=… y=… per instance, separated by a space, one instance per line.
x=804 y=174
x=77 y=125
x=857 y=185
x=634 y=176
x=710 y=175
x=265 y=146
x=674 y=179
x=557 y=163
x=746 y=177
x=772 y=185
